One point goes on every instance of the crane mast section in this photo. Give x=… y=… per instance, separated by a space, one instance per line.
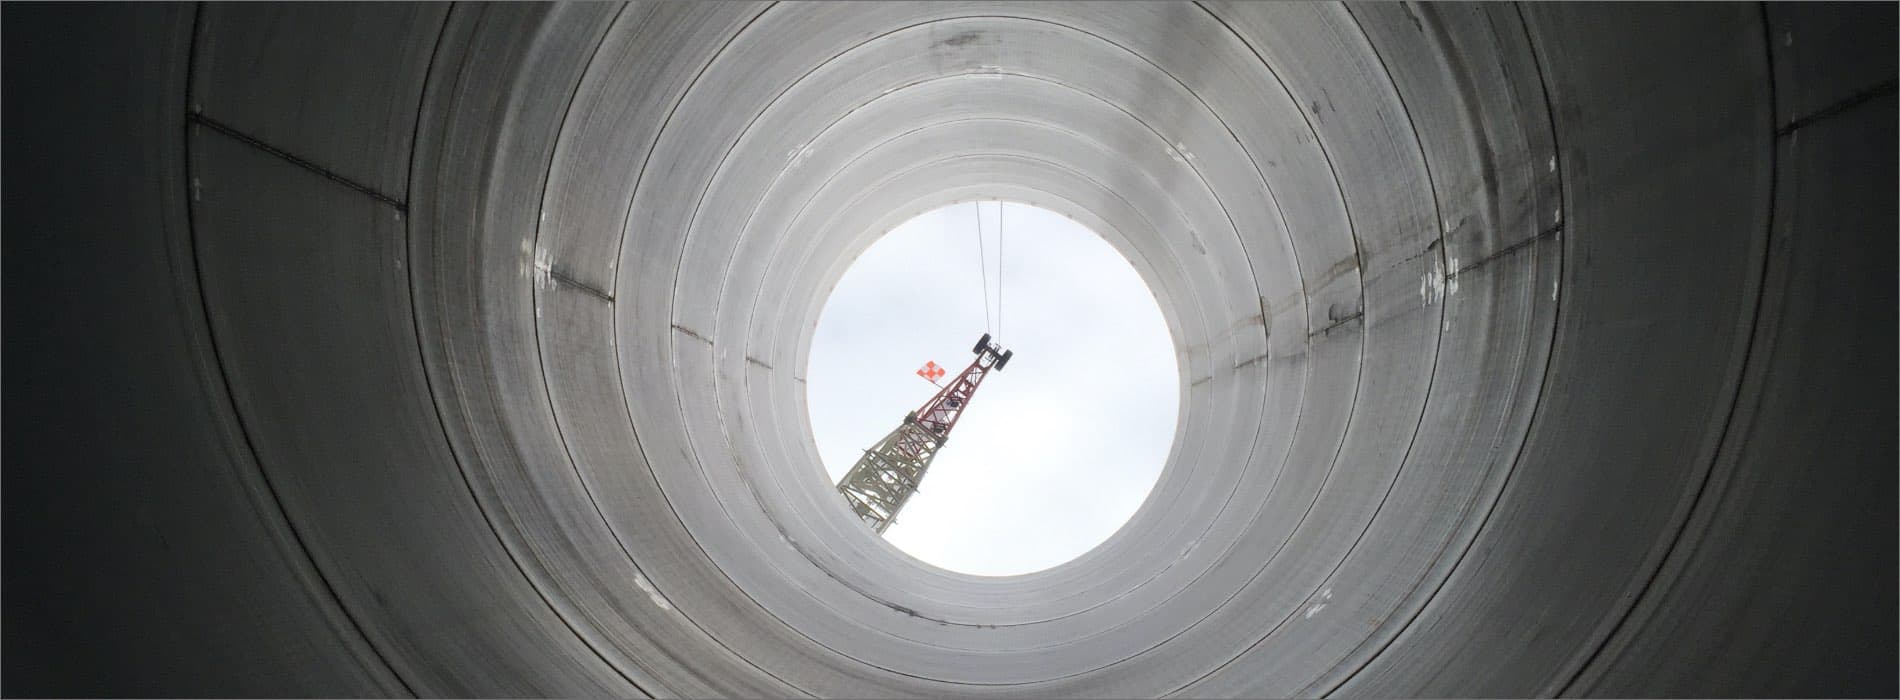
x=888 y=474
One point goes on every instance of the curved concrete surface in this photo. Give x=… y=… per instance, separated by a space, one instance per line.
x=458 y=350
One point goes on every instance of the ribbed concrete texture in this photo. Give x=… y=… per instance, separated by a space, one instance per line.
x=382 y=349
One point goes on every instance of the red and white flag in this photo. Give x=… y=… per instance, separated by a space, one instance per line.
x=931 y=372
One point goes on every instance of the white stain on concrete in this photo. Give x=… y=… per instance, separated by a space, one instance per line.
x=543 y=269
x=1431 y=284
x=659 y=601
x=1325 y=598
x=1180 y=153
x=799 y=154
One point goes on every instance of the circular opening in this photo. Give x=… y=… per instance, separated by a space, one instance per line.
x=1055 y=451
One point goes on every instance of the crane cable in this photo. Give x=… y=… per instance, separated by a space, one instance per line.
x=983 y=268
x=999 y=270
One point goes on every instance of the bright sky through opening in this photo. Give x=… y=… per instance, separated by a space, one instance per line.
x=1057 y=450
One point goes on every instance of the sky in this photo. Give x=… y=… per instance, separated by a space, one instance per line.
x=1055 y=452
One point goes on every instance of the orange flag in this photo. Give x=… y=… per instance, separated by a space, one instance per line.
x=931 y=372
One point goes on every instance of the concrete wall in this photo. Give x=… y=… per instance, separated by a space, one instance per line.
x=458 y=350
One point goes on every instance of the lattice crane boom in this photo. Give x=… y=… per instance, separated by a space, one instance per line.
x=885 y=478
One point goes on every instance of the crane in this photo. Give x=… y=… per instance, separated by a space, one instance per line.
x=885 y=478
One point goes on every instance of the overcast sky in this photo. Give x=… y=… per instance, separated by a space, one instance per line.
x=1057 y=450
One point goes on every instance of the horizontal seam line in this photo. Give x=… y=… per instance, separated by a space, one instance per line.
x=254 y=142
x=1337 y=323
x=1252 y=362
x=693 y=333
x=1507 y=250
x=585 y=287
x=1885 y=87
